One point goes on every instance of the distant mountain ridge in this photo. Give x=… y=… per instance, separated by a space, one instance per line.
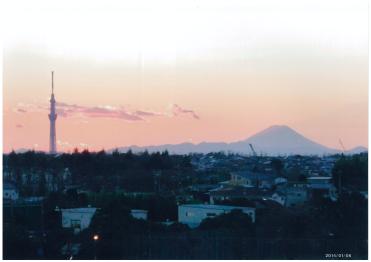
x=275 y=140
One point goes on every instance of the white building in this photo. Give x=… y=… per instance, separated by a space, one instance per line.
x=139 y=214
x=322 y=185
x=279 y=198
x=251 y=179
x=10 y=191
x=77 y=218
x=291 y=196
x=319 y=180
x=192 y=215
x=280 y=180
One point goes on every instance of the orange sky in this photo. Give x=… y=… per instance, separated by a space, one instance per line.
x=132 y=77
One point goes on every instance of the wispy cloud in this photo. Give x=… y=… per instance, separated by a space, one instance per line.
x=65 y=110
x=67 y=145
x=177 y=110
x=83 y=145
x=29 y=108
x=148 y=113
x=63 y=144
x=106 y=111
x=21 y=110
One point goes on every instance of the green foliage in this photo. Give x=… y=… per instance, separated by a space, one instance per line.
x=116 y=228
x=160 y=208
x=280 y=233
x=15 y=240
x=295 y=175
x=242 y=202
x=277 y=166
x=351 y=172
x=236 y=221
x=325 y=219
x=101 y=171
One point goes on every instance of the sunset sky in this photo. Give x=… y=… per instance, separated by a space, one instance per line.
x=155 y=72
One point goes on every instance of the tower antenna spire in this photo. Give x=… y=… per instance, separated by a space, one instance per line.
x=52 y=82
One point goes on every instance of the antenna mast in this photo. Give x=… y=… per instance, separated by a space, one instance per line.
x=52 y=82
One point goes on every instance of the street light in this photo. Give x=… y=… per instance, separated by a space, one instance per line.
x=95 y=238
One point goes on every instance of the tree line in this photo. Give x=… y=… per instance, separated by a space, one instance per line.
x=98 y=171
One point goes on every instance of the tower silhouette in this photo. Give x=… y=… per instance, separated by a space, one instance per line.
x=52 y=118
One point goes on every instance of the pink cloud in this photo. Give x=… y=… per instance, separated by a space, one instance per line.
x=111 y=113
x=65 y=110
x=71 y=110
x=147 y=113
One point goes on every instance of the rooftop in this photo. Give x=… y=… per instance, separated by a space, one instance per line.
x=319 y=177
x=321 y=186
x=9 y=186
x=79 y=210
x=204 y=206
x=253 y=175
x=239 y=191
x=139 y=211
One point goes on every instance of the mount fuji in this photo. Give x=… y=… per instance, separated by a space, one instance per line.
x=275 y=140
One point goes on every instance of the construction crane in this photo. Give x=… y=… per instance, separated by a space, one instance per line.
x=253 y=150
x=255 y=167
x=342 y=145
x=342 y=154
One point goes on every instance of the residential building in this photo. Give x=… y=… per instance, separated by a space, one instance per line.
x=322 y=186
x=139 y=214
x=249 y=178
x=316 y=180
x=10 y=191
x=291 y=196
x=77 y=218
x=280 y=180
x=194 y=214
x=238 y=192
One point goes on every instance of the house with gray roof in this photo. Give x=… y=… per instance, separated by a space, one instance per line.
x=10 y=191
